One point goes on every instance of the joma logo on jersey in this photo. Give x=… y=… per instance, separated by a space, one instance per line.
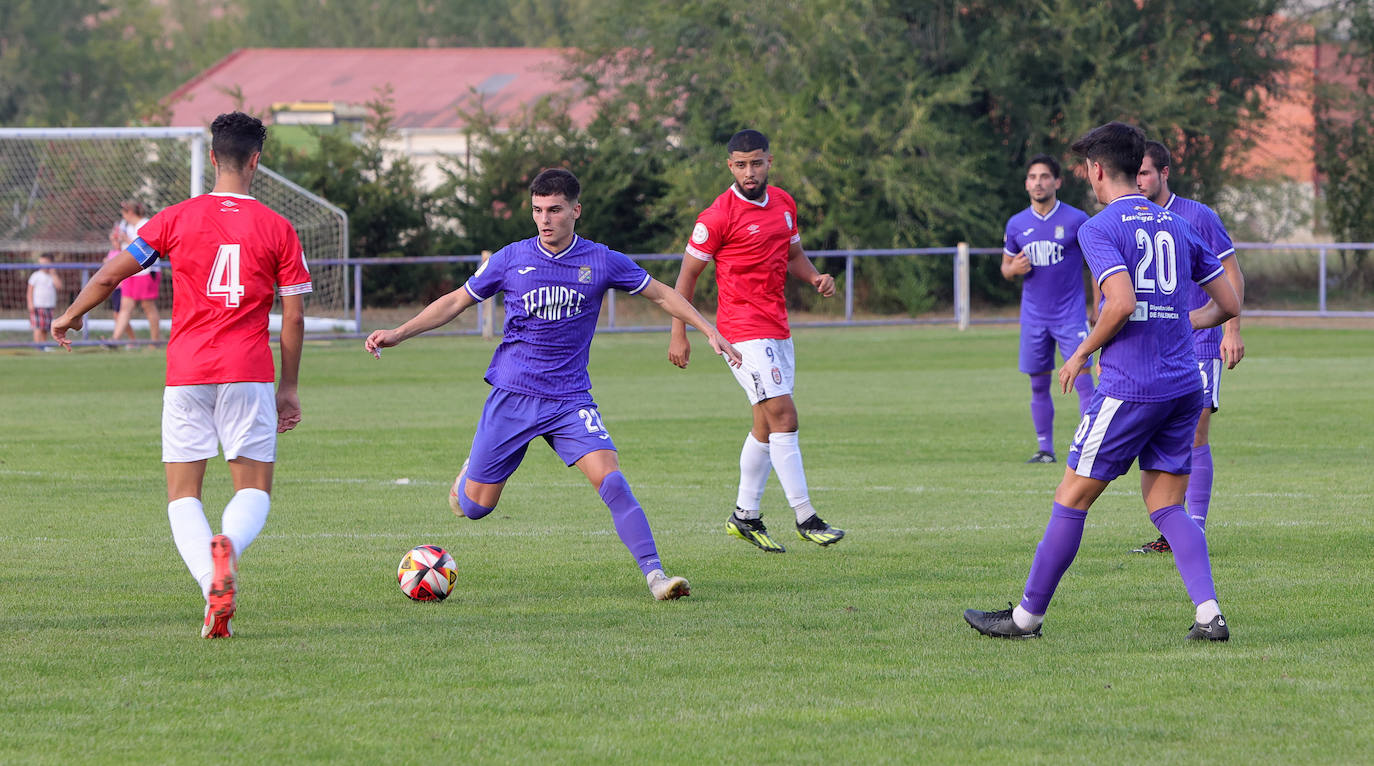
x=553 y=302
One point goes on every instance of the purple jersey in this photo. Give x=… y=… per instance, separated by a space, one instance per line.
x=1151 y=358
x=552 y=304
x=1052 y=294
x=1206 y=343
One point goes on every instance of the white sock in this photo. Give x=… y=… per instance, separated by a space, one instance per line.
x=191 y=533
x=754 y=467
x=1025 y=620
x=244 y=516
x=1207 y=611
x=787 y=462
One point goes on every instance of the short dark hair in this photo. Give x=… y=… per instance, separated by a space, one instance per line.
x=1158 y=154
x=134 y=206
x=551 y=181
x=1047 y=161
x=747 y=140
x=235 y=137
x=1116 y=145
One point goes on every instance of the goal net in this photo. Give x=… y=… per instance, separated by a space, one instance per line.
x=60 y=194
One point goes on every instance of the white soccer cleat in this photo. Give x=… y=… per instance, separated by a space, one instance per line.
x=667 y=588
x=453 y=491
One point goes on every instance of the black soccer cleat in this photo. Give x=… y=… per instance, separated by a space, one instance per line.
x=998 y=624
x=1041 y=457
x=816 y=531
x=1215 y=630
x=754 y=532
x=1154 y=546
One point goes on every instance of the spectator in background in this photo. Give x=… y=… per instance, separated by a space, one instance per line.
x=41 y=297
x=141 y=288
x=116 y=246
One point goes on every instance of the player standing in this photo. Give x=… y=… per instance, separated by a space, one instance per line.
x=750 y=231
x=1147 y=400
x=553 y=286
x=233 y=254
x=1041 y=243
x=1212 y=345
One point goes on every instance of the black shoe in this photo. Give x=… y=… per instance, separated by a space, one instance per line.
x=998 y=624
x=1041 y=457
x=817 y=531
x=1215 y=630
x=1154 y=546
x=753 y=531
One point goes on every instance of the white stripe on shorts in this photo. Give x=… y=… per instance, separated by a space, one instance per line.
x=1088 y=455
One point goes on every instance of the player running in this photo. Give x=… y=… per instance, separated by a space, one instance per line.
x=1147 y=400
x=1041 y=243
x=750 y=232
x=553 y=286
x=233 y=255
x=1212 y=345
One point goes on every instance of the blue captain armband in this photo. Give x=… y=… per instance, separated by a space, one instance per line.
x=143 y=252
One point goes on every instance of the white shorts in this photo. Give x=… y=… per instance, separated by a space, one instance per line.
x=768 y=369
x=240 y=416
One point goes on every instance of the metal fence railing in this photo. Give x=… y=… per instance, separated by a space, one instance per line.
x=1285 y=280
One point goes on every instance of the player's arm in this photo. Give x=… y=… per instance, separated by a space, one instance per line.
x=56 y=278
x=682 y=311
x=1014 y=266
x=1119 y=302
x=94 y=293
x=1232 y=347
x=292 y=340
x=28 y=299
x=679 y=348
x=437 y=314
x=801 y=267
x=1096 y=301
x=1225 y=305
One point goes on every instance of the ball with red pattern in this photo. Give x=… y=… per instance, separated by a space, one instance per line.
x=427 y=573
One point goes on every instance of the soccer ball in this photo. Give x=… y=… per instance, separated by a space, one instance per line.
x=426 y=573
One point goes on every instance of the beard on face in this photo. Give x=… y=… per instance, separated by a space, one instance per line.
x=756 y=192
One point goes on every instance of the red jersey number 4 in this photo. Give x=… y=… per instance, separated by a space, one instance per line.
x=224 y=277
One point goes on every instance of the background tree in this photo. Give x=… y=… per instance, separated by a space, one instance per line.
x=1344 y=110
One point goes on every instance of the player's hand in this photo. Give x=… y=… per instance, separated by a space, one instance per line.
x=680 y=350
x=825 y=284
x=1073 y=367
x=60 y=327
x=288 y=409
x=1020 y=264
x=723 y=347
x=380 y=339
x=1232 y=349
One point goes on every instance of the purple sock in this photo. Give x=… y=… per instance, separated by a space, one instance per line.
x=630 y=522
x=1053 y=557
x=1084 y=385
x=1189 y=544
x=1042 y=412
x=1200 y=485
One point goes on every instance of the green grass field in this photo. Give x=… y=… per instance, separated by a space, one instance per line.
x=552 y=651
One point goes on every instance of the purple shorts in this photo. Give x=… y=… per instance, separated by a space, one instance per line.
x=1114 y=433
x=510 y=421
x=1038 y=342
x=1211 y=382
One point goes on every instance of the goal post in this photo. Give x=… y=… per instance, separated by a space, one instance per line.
x=61 y=189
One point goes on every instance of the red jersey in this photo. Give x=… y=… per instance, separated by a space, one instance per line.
x=749 y=241
x=230 y=255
